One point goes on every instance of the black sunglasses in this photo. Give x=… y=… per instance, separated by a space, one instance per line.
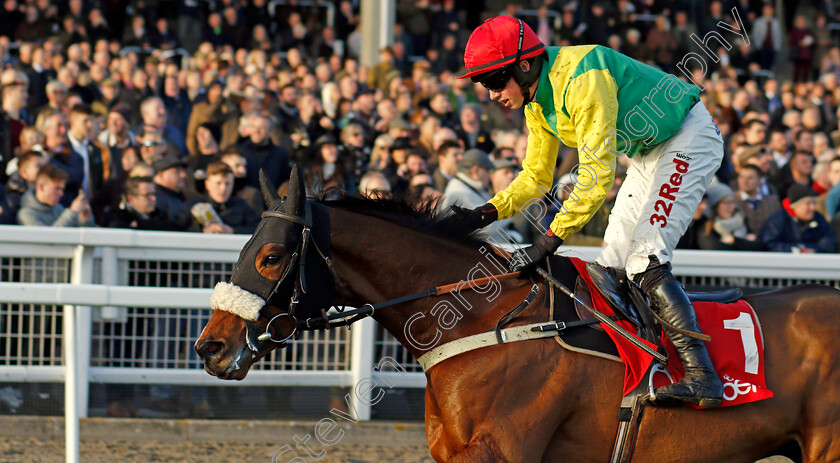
x=495 y=81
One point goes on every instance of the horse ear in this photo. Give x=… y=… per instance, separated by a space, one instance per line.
x=269 y=193
x=296 y=197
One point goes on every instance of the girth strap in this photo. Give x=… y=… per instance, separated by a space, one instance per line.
x=477 y=341
x=507 y=335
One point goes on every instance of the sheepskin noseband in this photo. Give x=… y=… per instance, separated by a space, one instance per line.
x=233 y=299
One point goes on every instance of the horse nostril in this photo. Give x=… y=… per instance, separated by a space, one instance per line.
x=211 y=349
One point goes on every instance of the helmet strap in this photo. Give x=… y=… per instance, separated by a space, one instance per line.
x=525 y=78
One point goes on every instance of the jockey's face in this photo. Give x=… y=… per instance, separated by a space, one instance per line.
x=510 y=96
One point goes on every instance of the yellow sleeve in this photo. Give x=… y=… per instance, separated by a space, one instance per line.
x=537 y=170
x=592 y=103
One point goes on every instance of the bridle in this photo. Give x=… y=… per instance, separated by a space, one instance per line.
x=298 y=259
x=346 y=317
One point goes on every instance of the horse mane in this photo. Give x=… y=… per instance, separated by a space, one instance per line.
x=423 y=217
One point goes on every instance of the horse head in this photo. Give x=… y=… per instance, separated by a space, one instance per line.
x=283 y=275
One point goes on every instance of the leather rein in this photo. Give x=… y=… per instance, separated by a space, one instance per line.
x=348 y=317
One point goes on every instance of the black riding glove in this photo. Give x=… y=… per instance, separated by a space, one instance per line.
x=479 y=217
x=543 y=246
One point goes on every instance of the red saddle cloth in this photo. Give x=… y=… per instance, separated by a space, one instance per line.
x=736 y=348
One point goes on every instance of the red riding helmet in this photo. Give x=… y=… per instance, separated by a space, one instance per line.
x=498 y=42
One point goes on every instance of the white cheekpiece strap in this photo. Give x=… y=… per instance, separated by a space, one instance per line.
x=233 y=299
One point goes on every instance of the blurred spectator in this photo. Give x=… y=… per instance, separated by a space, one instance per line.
x=177 y=105
x=117 y=137
x=109 y=90
x=97 y=26
x=355 y=154
x=92 y=169
x=635 y=48
x=293 y=33
x=821 y=183
x=767 y=37
x=380 y=155
x=110 y=194
x=798 y=170
x=448 y=156
x=832 y=200
x=726 y=228
x=469 y=187
x=441 y=108
x=207 y=110
x=374 y=185
x=778 y=146
x=152 y=147
x=662 y=43
x=502 y=174
x=234 y=27
x=324 y=172
x=154 y=114
x=756 y=206
x=261 y=153
x=170 y=180
x=470 y=131
x=399 y=153
x=11 y=15
x=56 y=146
x=56 y=93
x=798 y=227
x=379 y=75
x=430 y=126
x=137 y=209
x=287 y=108
x=135 y=35
x=232 y=214
x=570 y=33
x=755 y=132
x=415 y=17
x=239 y=166
x=13 y=115
x=23 y=179
x=208 y=151
x=802 y=44
x=689 y=240
x=40 y=206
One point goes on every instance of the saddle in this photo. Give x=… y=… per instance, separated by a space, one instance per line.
x=624 y=297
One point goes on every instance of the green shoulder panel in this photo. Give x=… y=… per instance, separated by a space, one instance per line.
x=651 y=103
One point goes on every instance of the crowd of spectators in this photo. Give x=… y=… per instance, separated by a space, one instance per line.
x=160 y=115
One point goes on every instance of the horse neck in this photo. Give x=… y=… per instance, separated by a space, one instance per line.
x=378 y=260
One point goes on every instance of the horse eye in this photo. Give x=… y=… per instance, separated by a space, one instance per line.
x=272 y=259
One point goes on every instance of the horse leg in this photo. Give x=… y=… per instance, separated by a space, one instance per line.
x=821 y=437
x=817 y=321
x=479 y=450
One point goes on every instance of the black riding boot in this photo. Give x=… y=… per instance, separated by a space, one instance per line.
x=701 y=385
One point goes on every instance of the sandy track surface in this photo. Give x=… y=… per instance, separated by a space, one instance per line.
x=31 y=450
x=41 y=439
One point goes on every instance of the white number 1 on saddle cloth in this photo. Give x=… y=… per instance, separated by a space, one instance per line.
x=736 y=349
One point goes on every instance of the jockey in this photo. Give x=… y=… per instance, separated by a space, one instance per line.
x=607 y=105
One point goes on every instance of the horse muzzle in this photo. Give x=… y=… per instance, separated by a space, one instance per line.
x=222 y=362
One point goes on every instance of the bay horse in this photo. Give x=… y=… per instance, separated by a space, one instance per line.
x=530 y=401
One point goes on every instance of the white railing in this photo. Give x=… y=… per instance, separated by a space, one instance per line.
x=82 y=284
